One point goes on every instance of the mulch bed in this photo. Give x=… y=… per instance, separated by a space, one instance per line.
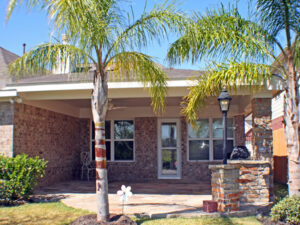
x=114 y=220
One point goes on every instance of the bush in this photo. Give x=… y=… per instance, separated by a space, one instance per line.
x=287 y=210
x=280 y=191
x=19 y=176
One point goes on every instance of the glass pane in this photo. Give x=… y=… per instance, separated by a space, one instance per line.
x=107 y=129
x=200 y=131
x=169 y=161
x=199 y=150
x=218 y=149
x=123 y=129
x=123 y=150
x=93 y=150
x=107 y=150
x=93 y=131
x=168 y=135
x=218 y=128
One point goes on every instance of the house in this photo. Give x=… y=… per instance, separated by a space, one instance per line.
x=50 y=116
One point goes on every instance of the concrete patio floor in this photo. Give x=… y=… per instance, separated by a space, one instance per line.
x=167 y=197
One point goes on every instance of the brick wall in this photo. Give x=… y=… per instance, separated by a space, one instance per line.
x=191 y=171
x=239 y=130
x=144 y=168
x=6 y=128
x=49 y=135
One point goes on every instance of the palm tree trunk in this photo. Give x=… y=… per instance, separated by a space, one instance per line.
x=99 y=109
x=291 y=117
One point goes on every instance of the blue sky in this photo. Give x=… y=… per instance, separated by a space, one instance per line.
x=32 y=27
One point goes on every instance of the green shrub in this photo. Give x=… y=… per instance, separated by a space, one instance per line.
x=287 y=210
x=19 y=176
x=280 y=192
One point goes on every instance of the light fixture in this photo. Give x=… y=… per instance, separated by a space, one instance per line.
x=224 y=102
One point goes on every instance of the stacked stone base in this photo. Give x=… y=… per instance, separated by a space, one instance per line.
x=225 y=189
x=241 y=183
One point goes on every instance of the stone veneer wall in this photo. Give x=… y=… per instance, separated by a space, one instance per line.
x=6 y=128
x=255 y=181
x=241 y=183
x=49 y=135
x=262 y=139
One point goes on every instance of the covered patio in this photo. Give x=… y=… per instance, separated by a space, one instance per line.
x=155 y=199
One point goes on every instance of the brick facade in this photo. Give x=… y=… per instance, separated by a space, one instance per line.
x=144 y=167
x=6 y=128
x=49 y=135
x=60 y=138
x=191 y=171
x=239 y=130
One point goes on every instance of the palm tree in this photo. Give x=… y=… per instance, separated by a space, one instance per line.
x=241 y=50
x=104 y=35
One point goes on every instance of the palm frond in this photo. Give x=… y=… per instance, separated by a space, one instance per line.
x=12 y=4
x=44 y=58
x=221 y=34
x=231 y=75
x=153 y=25
x=90 y=23
x=279 y=15
x=141 y=67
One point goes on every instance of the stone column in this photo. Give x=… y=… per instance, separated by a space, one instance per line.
x=6 y=128
x=262 y=129
x=225 y=188
x=239 y=130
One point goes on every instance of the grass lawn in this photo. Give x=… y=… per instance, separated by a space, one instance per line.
x=40 y=213
x=58 y=213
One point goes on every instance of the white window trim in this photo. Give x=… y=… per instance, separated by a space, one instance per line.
x=210 y=139
x=112 y=141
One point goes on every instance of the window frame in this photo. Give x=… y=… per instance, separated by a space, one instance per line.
x=112 y=140
x=211 y=140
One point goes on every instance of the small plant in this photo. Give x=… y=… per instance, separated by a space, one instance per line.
x=280 y=192
x=124 y=194
x=19 y=176
x=287 y=210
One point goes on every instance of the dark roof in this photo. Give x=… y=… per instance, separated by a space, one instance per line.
x=173 y=74
x=6 y=57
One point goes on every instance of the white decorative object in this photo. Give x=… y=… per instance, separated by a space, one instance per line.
x=124 y=194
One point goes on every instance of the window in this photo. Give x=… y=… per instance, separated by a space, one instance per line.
x=205 y=140
x=119 y=138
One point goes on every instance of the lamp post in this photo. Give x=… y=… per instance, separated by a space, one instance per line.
x=224 y=102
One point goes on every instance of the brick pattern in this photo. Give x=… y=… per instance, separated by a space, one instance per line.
x=241 y=183
x=262 y=129
x=6 y=128
x=49 y=135
x=225 y=189
x=239 y=130
x=144 y=168
x=191 y=171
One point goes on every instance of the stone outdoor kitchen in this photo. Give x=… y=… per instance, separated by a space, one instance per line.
x=50 y=116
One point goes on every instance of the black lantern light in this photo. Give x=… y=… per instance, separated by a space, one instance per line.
x=224 y=101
